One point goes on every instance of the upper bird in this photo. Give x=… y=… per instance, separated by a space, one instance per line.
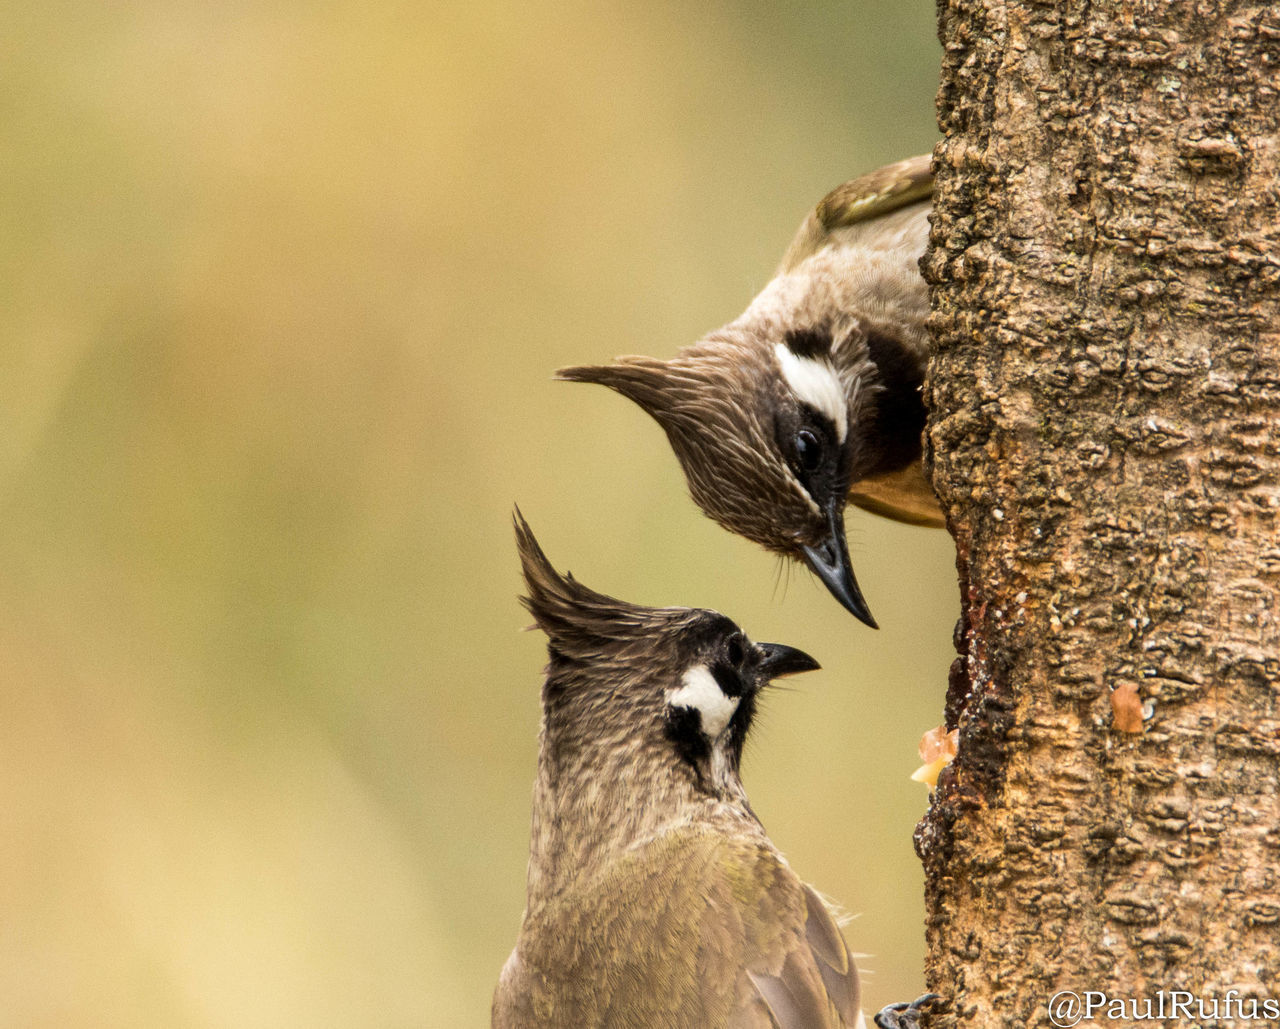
x=654 y=896
x=811 y=398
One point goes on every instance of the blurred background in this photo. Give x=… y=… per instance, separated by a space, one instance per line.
x=284 y=287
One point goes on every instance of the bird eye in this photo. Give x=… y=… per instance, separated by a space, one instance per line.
x=808 y=450
x=736 y=652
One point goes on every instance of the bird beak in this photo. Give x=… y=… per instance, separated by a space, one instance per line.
x=779 y=659
x=830 y=562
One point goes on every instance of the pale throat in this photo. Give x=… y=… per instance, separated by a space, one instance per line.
x=816 y=383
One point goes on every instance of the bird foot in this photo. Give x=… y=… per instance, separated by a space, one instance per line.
x=904 y=1015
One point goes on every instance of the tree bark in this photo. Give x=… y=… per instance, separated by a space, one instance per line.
x=1105 y=439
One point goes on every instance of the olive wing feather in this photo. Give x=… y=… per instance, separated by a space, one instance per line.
x=851 y=211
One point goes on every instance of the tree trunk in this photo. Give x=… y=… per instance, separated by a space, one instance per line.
x=1105 y=439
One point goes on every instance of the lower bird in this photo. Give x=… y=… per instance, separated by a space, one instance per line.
x=812 y=397
x=655 y=898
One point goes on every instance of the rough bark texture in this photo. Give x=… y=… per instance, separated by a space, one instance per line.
x=1104 y=432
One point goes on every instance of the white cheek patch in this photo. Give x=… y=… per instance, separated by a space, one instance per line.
x=817 y=384
x=700 y=691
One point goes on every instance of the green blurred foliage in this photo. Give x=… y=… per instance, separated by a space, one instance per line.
x=285 y=284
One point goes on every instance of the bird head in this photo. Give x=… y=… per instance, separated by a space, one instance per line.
x=639 y=681
x=766 y=427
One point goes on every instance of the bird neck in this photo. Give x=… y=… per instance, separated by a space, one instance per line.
x=594 y=802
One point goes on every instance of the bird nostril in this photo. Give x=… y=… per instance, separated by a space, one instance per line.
x=825 y=553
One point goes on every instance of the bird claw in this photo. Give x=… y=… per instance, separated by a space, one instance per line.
x=904 y=1015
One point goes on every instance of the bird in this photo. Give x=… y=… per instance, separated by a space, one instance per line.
x=654 y=895
x=811 y=398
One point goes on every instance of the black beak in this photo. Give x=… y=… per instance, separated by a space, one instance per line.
x=830 y=562
x=779 y=659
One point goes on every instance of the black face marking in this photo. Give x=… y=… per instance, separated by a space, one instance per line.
x=808 y=441
x=728 y=679
x=728 y=671
x=684 y=729
x=739 y=726
x=812 y=342
x=709 y=631
x=808 y=451
x=899 y=411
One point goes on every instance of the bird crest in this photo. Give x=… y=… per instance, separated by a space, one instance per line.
x=648 y=381
x=716 y=403
x=580 y=624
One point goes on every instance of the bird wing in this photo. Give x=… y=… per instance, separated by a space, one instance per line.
x=695 y=929
x=858 y=210
x=795 y=968
x=817 y=985
x=767 y=953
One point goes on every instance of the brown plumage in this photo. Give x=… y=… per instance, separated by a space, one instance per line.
x=655 y=898
x=811 y=398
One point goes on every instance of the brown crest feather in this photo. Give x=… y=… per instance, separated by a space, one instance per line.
x=643 y=380
x=579 y=622
x=715 y=401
